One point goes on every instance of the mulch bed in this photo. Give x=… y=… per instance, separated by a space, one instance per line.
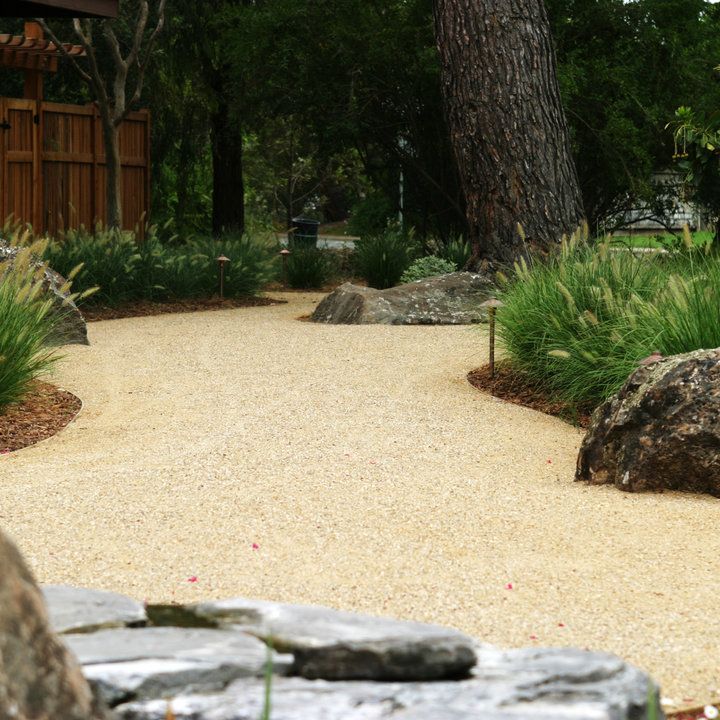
x=144 y=308
x=512 y=387
x=44 y=411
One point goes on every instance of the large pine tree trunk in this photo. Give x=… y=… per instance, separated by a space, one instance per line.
x=228 y=200
x=507 y=124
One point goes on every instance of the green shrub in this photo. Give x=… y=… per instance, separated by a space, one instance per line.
x=126 y=269
x=253 y=263
x=457 y=251
x=26 y=324
x=427 y=266
x=371 y=215
x=110 y=261
x=309 y=267
x=382 y=259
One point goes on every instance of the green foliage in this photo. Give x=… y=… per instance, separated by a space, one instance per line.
x=125 y=269
x=382 y=259
x=309 y=267
x=457 y=251
x=26 y=325
x=370 y=216
x=580 y=322
x=253 y=263
x=427 y=266
x=623 y=68
x=697 y=153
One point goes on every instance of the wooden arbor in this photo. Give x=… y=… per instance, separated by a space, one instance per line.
x=52 y=156
x=59 y=8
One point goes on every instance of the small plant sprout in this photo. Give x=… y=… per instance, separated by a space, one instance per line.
x=222 y=261
x=492 y=305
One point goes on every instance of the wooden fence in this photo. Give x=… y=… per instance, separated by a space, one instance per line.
x=52 y=165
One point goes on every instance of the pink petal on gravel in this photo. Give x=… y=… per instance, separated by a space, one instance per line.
x=192 y=579
x=255 y=546
x=509 y=586
x=533 y=637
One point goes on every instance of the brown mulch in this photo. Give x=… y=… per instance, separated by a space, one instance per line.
x=143 y=308
x=513 y=387
x=44 y=411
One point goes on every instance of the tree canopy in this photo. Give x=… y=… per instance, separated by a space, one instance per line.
x=318 y=107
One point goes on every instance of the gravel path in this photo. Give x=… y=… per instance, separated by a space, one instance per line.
x=370 y=475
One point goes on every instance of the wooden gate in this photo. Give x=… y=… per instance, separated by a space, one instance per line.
x=52 y=166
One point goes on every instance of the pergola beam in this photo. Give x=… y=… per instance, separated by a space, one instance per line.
x=59 y=8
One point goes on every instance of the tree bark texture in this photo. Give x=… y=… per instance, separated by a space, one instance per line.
x=228 y=212
x=113 y=168
x=507 y=124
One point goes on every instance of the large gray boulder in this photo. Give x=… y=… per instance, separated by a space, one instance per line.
x=452 y=299
x=70 y=327
x=661 y=430
x=336 y=645
x=546 y=684
x=39 y=678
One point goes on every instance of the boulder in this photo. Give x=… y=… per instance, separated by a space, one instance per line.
x=39 y=678
x=661 y=430
x=335 y=645
x=452 y=299
x=70 y=327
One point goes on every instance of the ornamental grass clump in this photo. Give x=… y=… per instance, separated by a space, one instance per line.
x=579 y=322
x=126 y=268
x=309 y=267
x=26 y=324
x=253 y=263
x=111 y=260
x=382 y=259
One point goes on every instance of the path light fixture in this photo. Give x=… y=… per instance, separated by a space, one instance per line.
x=222 y=261
x=492 y=304
x=284 y=255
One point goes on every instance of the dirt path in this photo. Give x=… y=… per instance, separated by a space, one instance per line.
x=370 y=476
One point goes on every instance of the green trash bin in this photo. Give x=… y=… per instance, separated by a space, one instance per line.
x=304 y=233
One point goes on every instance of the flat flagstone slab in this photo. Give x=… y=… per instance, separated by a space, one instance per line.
x=337 y=645
x=126 y=664
x=80 y=610
x=548 y=684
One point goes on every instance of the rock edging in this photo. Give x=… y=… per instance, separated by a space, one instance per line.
x=330 y=664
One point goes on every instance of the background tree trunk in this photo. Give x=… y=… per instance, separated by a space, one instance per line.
x=113 y=168
x=228 y=213
x=507 y=125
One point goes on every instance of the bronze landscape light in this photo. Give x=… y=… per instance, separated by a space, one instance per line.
x=222 y=260
x=492 y=304
x=284 y=255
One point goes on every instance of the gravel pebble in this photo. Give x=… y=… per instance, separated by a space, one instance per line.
x=355 y=467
